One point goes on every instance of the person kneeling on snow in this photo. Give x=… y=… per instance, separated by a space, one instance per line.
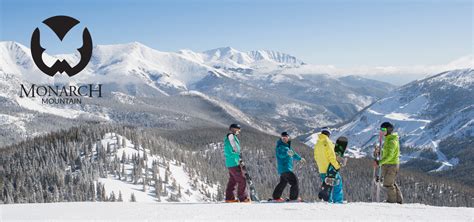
x=326 y=161
x=285 y=156
x=232 y=162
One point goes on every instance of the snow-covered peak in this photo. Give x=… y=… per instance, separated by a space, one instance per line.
x=123 y=52
x=17 y=64
x=221 y=52
x=14 y=57
x=258 y=60
x=227 y=55
x=461 y=78
x=275 y=56
x=156 y=68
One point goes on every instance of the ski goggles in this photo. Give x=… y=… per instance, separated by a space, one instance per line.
x=383 y=129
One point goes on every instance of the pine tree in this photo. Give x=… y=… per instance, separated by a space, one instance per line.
x=220 y=193
x=119 y=199
x=119 y=144
x=144 y=184
x=112 y=197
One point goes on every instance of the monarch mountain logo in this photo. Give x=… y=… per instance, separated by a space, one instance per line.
x=61 y=94
x=61 y=25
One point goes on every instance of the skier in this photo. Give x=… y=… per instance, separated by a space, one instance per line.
x=285 y=156
x=390 y=163
x=325 y=156
x=232 y=162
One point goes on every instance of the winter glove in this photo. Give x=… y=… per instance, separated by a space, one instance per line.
x=342 y=161
x=331 y=181
x=303 y=160
x=291 y=153
x=376 y=151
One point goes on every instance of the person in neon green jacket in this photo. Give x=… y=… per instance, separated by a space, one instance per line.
x=390 y=163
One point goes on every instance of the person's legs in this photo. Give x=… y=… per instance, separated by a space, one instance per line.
x=294 y=189
x=397 y=188
x=337 y=194
x=323 y=178
x=399 y=194
x=241 y=184
x=325 y=192
x=280 y=187
x=390 y=173
x=229 y=192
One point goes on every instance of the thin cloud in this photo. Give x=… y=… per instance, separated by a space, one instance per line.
x=388 y=73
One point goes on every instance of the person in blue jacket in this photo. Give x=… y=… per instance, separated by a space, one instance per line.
x=285 y=156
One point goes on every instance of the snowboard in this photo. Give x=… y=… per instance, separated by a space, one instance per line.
x=253 y=191
x=340 y=146
x=330 y=180
x=283 y=201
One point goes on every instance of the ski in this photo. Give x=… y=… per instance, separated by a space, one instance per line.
x=377 y=173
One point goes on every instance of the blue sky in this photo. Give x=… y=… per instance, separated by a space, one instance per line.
x=341 y=33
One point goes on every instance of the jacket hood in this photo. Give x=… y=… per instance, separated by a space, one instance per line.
x=280 y=142
x=392 y=136
x=322 y=137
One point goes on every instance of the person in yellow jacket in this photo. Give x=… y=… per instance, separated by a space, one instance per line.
x=325 y=158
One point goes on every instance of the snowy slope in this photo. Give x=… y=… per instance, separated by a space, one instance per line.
x=19 y=114
x=17 y=67
x=424 y=113
x=233 y=111
x=137 y=62
x=97 y=211
x=186 y=189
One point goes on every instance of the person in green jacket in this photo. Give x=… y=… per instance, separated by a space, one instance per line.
x=390 y=163
x=232 y=162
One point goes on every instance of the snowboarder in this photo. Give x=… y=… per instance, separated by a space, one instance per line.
x=325 y=158
x=390 y=163
x=330 y=179
x=232 y=162
x=285 y=156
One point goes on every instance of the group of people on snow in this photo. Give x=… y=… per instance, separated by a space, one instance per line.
x=324 y=156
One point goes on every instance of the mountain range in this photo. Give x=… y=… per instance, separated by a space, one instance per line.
x=182 y=89
x=429 y=116
x=187 y=90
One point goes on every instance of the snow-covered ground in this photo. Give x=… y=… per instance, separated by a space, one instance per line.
x=100 y=211
x=190 y=189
